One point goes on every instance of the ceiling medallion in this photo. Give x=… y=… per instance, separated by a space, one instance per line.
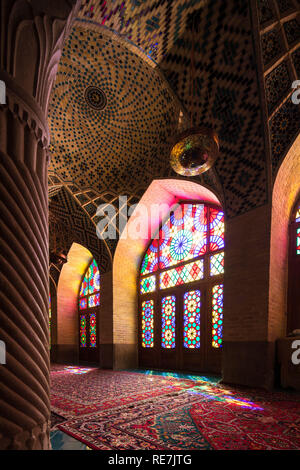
x=95 y=98
x=195 y=151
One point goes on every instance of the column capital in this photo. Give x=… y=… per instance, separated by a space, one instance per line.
x=32 y=35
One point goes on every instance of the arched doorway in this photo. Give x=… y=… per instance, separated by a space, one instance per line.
x=181 y=291
x=88 y=309
x=293 y=317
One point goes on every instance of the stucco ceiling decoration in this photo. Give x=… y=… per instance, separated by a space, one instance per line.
x=125 y=144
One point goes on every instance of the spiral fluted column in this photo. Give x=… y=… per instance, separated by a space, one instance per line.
x=32 y=35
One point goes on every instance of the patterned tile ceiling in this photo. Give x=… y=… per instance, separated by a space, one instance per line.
x=79 y=226
x=154 y=26
x=123 y=145
x=280 y=45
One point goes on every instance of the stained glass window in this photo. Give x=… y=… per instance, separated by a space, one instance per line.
x=191 y=319
x=217 y=264
x=148 y=284
x=184 y=235
x=93 y=338
x=188 y=248
x=182 y=274
x=217 y=315
x=93 y=278
x=298 y=241
x=89 y=297
x=216 y=227
x=83 y=331
x=89 y=286
x=148 y=324
x=168 y=311
x=150 y=261
x=94 y=300
x=297 y=218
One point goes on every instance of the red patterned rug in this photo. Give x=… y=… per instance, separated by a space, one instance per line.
x=136 y=411
x=79 y=391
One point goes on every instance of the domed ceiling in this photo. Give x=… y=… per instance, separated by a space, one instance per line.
x=114 y=108
x=111 y=114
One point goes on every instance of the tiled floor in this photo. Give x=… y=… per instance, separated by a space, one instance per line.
x=61 y=441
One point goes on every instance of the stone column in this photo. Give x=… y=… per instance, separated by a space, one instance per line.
x=32 y=36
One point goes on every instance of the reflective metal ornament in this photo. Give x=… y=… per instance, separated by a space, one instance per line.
x=195 y=151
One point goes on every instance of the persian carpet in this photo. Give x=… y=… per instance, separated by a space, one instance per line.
x=55 y=420
x=134 y=411
x=80 y=391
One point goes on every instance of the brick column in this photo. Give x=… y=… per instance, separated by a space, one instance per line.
x=248 y=355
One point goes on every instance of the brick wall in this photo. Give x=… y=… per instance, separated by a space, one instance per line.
x=67 y=298
x=285 y=193
x=247 y=276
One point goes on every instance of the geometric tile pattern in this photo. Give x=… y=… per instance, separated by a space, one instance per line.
x=225 y=96
x=126 y=143
x=280 y=44
x=284 y=128
x=296 y=61
x=272 y=47
x=89 y=200
x=292 y=31
x=285 y=6
x=123 y=147
x=265 y=11
x=80 y=228
x=278 y=85
x=153 y=26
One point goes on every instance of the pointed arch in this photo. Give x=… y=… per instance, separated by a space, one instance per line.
x=164 y=193
x=286 y=192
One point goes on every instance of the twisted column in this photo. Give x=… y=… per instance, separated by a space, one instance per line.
x=32 y=35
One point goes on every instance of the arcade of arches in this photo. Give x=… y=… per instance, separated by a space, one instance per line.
x=198 y=287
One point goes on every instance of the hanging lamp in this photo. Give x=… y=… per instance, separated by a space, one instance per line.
x=196 y=149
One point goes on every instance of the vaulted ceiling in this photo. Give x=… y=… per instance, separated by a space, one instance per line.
x=115 y=138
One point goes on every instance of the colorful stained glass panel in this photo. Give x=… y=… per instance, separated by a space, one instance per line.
x=191 y=319
x=297 y=218
x=94 y=300
x=298 y=241
x=84 y=288
x=217 y=264
x=82 y=331
x=182 y=275
x=216 y=226
x=217 y=316
x=93 y=338
x=150 y=261
x=148 y=284
x=82 y=303
x=148 y=324
x=168 y=311
x=93 y=278
x=184 y=235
